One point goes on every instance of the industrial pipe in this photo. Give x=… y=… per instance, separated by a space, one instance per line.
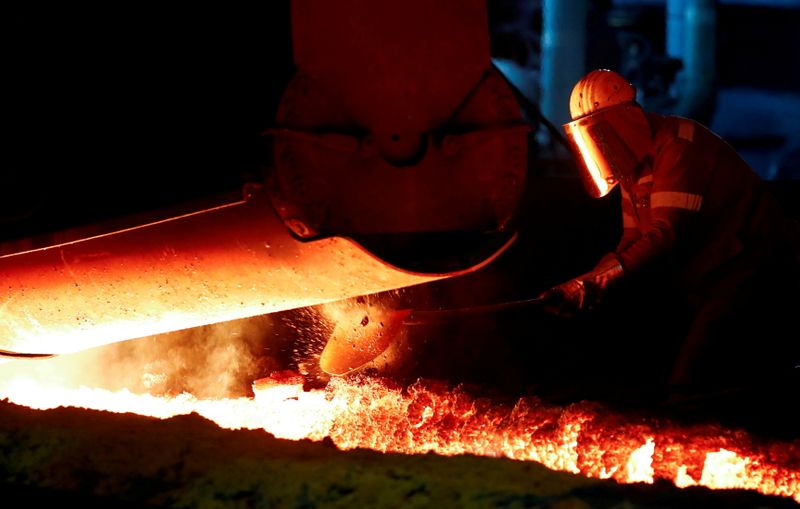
x=563 y=55
x=691 y=38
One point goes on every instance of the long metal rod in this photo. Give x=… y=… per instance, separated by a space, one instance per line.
x=427 y=315
x=229 y=262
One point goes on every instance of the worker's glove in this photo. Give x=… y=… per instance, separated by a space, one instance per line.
x=566 y=299
x=583 y=292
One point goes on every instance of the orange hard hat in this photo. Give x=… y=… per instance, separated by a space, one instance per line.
x=598 y=90
x=609 y=131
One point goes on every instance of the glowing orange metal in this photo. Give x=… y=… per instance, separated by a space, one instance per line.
x=428 y=417
x=593 y=159
x=360 y=335
x=224 y=263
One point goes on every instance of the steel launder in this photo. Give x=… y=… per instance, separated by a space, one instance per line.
x=224 y=263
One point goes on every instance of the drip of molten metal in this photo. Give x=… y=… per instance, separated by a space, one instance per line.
x=361 y=412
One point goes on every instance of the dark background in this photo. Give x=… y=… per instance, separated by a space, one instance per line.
x=111 y=110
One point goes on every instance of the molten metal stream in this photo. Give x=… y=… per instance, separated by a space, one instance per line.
x=427 y=417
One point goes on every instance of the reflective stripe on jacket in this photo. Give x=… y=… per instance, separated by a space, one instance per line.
x=697 y=201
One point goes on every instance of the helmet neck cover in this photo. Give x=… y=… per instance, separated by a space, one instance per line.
x=609 y=131
x=610 y=144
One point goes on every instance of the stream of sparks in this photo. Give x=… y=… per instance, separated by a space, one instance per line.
x=430 y=417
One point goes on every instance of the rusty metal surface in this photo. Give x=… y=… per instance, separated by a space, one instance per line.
x=396 y=122
x=467 y=175
x=393 y=65
x=228 y=262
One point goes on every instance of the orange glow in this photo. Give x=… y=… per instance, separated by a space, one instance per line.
x=640 y=465
x=725 y=469
x=225 y=263
x=591 y=159
x=360 y=412
x=363 y=331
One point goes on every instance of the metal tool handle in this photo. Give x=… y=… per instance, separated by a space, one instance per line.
x=428 y=315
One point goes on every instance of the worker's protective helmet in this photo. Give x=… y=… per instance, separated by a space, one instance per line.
x=607 y=131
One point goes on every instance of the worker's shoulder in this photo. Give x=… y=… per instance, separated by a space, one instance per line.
x=668 y=128
x=678 y=133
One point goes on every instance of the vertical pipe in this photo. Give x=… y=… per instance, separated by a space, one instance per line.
x=563 y=55
x=675 y=27
x=691 y=37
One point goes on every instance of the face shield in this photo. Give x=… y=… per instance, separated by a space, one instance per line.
x=599 y=142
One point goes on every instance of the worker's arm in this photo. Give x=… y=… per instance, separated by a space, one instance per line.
x=630 y=228
x=678 y=187
x=676 y=196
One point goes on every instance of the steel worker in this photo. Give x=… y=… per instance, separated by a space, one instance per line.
x=692 y=209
